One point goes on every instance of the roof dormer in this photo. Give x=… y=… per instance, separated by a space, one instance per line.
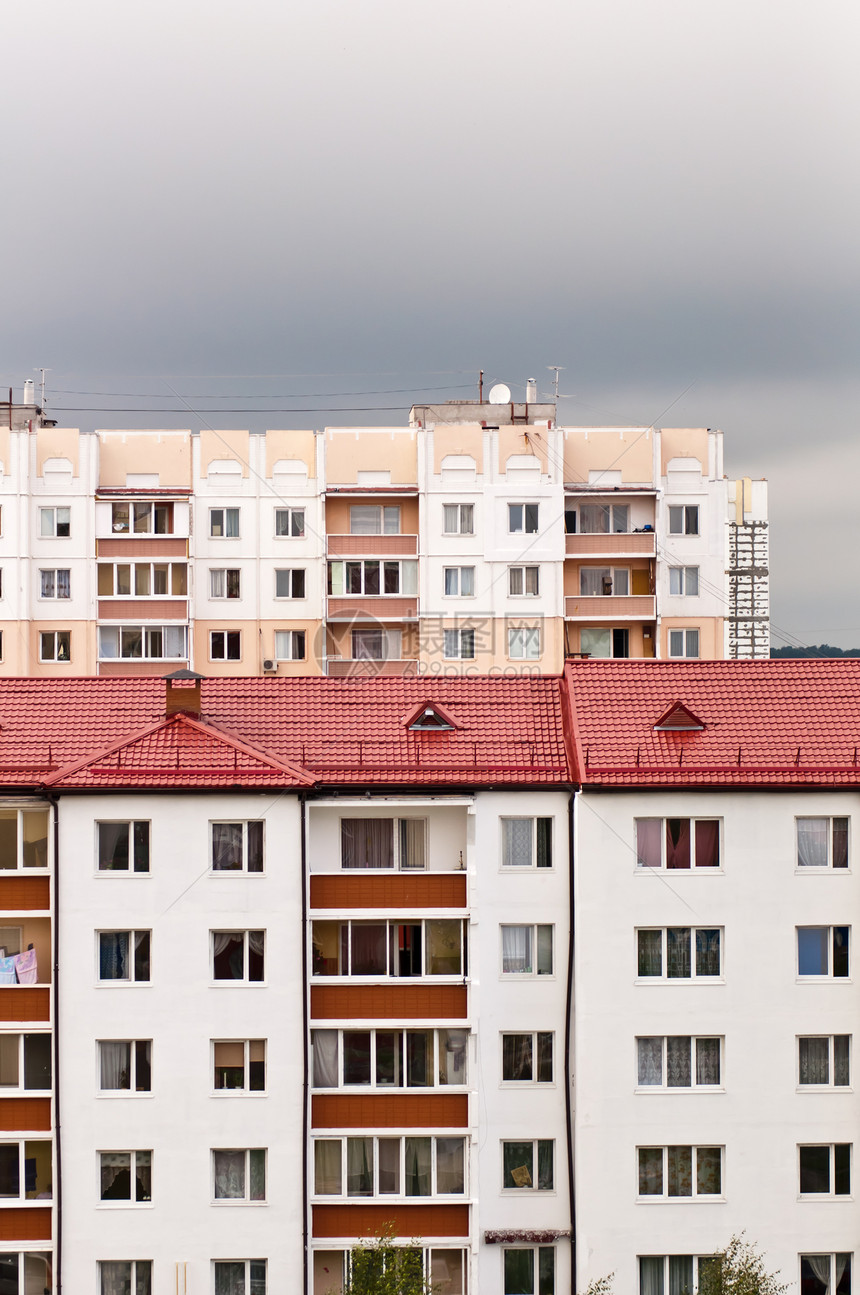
x=679 y=719
x=429 y=717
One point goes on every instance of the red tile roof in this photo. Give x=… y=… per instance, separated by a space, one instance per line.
x=767 y=723
x=266 y=732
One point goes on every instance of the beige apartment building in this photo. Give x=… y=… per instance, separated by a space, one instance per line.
x=480 y=537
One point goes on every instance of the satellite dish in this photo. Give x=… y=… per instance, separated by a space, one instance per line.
x=500 y=394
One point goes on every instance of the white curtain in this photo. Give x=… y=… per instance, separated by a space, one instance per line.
x=229 y=1175
x=651 y=1275
x=650 y=1061
x=327 y=1167
x=412 y=837
x=517 y=842
x=707 y=1061
x=814 y=1061
x=820 y=1265
x=516 y=948
x=114 y=1063
x=324 y=1043
x=812 y=842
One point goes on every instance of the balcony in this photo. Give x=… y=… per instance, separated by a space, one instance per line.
x=347 y=546
x=611 y=607
x=372 y=607
x=637 y=544
x=141 y=546
x=339 y=667
x=144 y=609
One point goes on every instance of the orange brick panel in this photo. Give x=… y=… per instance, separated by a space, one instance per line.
x=369 y=889
x=138 y=547
x=409 y=1220
x=388 y=1111
x=25 y=1225
x=371 y=545
x=379 y=607
x=388 y=1002
x=24 y=1003
x=139 y=668
x=27 y=1114
x=23 y=892
x=143 y=609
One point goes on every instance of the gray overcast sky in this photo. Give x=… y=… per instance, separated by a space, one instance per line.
x=236 y=200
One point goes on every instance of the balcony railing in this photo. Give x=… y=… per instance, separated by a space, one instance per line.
x=638 y=544
x=347 y=546
x=611 y=607
x=375 y=607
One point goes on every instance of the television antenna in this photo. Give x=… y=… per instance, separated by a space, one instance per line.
x=556 y=370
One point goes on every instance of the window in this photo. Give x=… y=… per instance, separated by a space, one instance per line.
x=25 y=1064
x=376 y=645
x=143 y=580
x=238 y=956
x=23 y=838
x=527 y=1166
x=824 y=1060
x=372 y=577
x=672 y=1274
x=527 y=950
x=603 y=519
x=55 y=645
x=142 y=518
x=237 y=847
x=825 y=1274
x=825 y=1170
x=684 y=581
x=142 y=642
x=529 y=1270
x=383 y=843
x=405 y=1166
x=680 y=1171
x=125 y=1277
x=55 y=522
x=126 y=1176
x=679 y=953
x=678 y=1061
x=597 y=582
x=428 y=947
x=290 y=645
x=29 y=1271
x=526 y=842
x=458 y=519
x=822 y=842
x=225 y=645
x=374 y=519
x=25 y=1171
x=290 y=523
x=224 y=523
x=224 y=583
x=55 y=583
x=683 y=519
x=125 y=1065
x=527 y=1058
x=524 y=582
x=239 y=1175
x=523 y=519
x=239 y=1065
x=290 y=583
x=459 y=582
x=684 y=643
x=385 y=1059
x=524 y=643
x=604 y=642
x=124 y=955
x=459 y=645
x=123 y=847
x=677 y=842
x=822 y=951
x=240 y=1277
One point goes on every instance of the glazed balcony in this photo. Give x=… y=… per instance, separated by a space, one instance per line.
x=611 y=607
x=637 y=544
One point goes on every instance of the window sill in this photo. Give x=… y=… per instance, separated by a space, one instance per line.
x=823 y=1196
x=123 y=984
x=123 y=1205
x=238 y=984
x=823 y=980
x=824 y=1088
x=642 y=870
x=822 y=872
x=237 y=1092
x=8 y=1203
x=113 y=1095
x=681 y=1200
x=122 y=872
x=698 y=1089
x=449 y=979
x=679 y=980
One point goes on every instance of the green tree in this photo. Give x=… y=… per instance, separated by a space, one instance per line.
x=379 y=1267
x=738 y=1270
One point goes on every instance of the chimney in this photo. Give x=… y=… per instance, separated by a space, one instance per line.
x=531 y=392
x=183 y=693
x=29 y=392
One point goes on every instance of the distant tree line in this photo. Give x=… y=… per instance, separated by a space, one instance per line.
x=819 y=649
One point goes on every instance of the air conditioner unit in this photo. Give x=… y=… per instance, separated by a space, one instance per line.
x=270 y=667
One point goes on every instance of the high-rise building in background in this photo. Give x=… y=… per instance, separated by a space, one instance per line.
x=479 y=537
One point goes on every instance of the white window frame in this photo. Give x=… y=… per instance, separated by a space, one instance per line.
x=690 y=637
x=407 y=577
x=519 y=575
x=680 y=517
x=524 y=643
x=244 y=824
x=831 y=1085
x=534 y=1036
x=264 y=1263
x=52 y=519
x=664 y=1086
x=463 y=520
x=145 y=632
x=53 y=579
x=374 y=1086
x=113 y=567
x=295 y=527
x=225 y=636
x=832 y=1256
x=13 y=1090
x=131 y=1203
x=133 y=1265
x=130 y=824
x=532 y=973
x=246 y=1199
x=828 y=865
x=391 y=972
x=19 y=841
x=21 y=1145
x=246 y=951
x=291 y=581
x=131 y=979
x=457 y=578
x=58 y=645
x=704 y=869
x=227 y=519
x=220 y=576
x=519 y=522
x=297 y=638
x=532 y=863
x=245 y=1090
x=132 y=1091
x=386 y=515
x=536 y=1252
x=696 y=1260
x=508 y=1190
x=44 y=1256
x=398 y=852
x=664 y=978
x=132 y=507
x=681 y=576
x=832 y=1194
x=433 y=1194
x=465 y=644
x=615 y=575
x=830 y=974
x=664 y=1197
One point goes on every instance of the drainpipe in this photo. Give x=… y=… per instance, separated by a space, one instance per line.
x=305 y=1049
x=58 y=1158
x=568 y=1023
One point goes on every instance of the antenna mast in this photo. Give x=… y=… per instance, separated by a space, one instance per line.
x=555 y=369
